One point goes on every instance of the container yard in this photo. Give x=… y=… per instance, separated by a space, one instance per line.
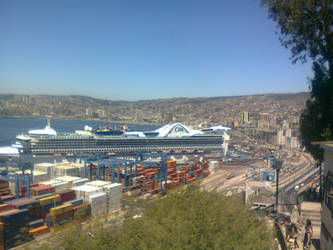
x=64 y=192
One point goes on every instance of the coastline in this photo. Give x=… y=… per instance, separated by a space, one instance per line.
x=81 y=119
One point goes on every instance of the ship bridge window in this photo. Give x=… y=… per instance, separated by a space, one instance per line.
x=179 y=129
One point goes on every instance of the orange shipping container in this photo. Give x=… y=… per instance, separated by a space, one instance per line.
x=171 y=163
x=4 y=207
x=8 y=197
x=9 y=212
x=39 y=230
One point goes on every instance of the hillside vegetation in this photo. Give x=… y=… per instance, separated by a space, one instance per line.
x=184 y=219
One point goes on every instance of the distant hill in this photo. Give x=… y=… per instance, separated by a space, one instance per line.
x=158 y=111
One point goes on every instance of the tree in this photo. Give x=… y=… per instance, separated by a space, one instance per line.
x=306 y=27
x=184 y=219
x=316 y=123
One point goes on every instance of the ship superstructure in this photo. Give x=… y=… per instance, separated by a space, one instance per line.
x=171 y=137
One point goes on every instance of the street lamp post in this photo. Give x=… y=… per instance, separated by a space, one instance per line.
x=277 y=164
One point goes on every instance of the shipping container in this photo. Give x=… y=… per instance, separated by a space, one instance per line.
x=75 y=202
x=49 y=200
x=8 y=197
x=4 y=184
x=67 y=195
x=171 y=163
x=55 y=218
x=36 y=223
x=4 y=207
x=98 y=204
x=39 y=230
x=83 y=192
x=9 y=212
x=25 y=203
x=82 y=211
x=61 y=209
x=13 y=221
x=41 y=189
x=48 y=207
x=43 y=196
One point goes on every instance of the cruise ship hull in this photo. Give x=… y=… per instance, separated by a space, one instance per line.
x=171 y=137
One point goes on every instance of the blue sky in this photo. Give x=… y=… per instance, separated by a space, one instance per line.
x=134 y=50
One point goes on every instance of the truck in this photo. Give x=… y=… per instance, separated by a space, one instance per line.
x=229 y=176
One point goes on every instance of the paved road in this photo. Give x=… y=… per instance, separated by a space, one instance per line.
x=217 y=181
x=292 y=173
x=299 y=174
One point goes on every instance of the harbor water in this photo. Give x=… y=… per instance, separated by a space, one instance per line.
x=11 y=127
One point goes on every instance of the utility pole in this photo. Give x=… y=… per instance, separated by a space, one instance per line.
x=277 y=164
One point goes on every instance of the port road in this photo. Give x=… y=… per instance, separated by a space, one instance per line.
x=218 y=181
x=295 y=171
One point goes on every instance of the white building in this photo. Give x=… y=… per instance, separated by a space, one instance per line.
x=288 y=138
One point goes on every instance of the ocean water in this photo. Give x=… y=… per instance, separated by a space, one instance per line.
x=11 y=127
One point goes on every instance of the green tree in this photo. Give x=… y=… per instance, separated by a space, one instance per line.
x=306 y=27
x=316 y=123
x=184 y=219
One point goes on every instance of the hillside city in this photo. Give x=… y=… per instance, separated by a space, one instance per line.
x=266 y=118
x=162 y=125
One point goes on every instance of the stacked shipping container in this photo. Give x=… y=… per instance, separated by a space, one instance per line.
x=14 y=223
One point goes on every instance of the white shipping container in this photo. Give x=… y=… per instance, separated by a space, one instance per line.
x=69 y=179
x=97 y=197
x=83 y=192
x=114 y=201
x=45 y=167
x=80 y=182
x=98 y=183
x=98 y=204
x=39 y=177
x=114 y=188
x=59 y=187
x=112 y=194
x=50 y=182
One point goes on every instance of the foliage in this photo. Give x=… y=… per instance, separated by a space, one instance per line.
x=185 y=219
x=305 y=27
x=316 y=122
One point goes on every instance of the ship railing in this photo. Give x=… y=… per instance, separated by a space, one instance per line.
x=108 y=149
